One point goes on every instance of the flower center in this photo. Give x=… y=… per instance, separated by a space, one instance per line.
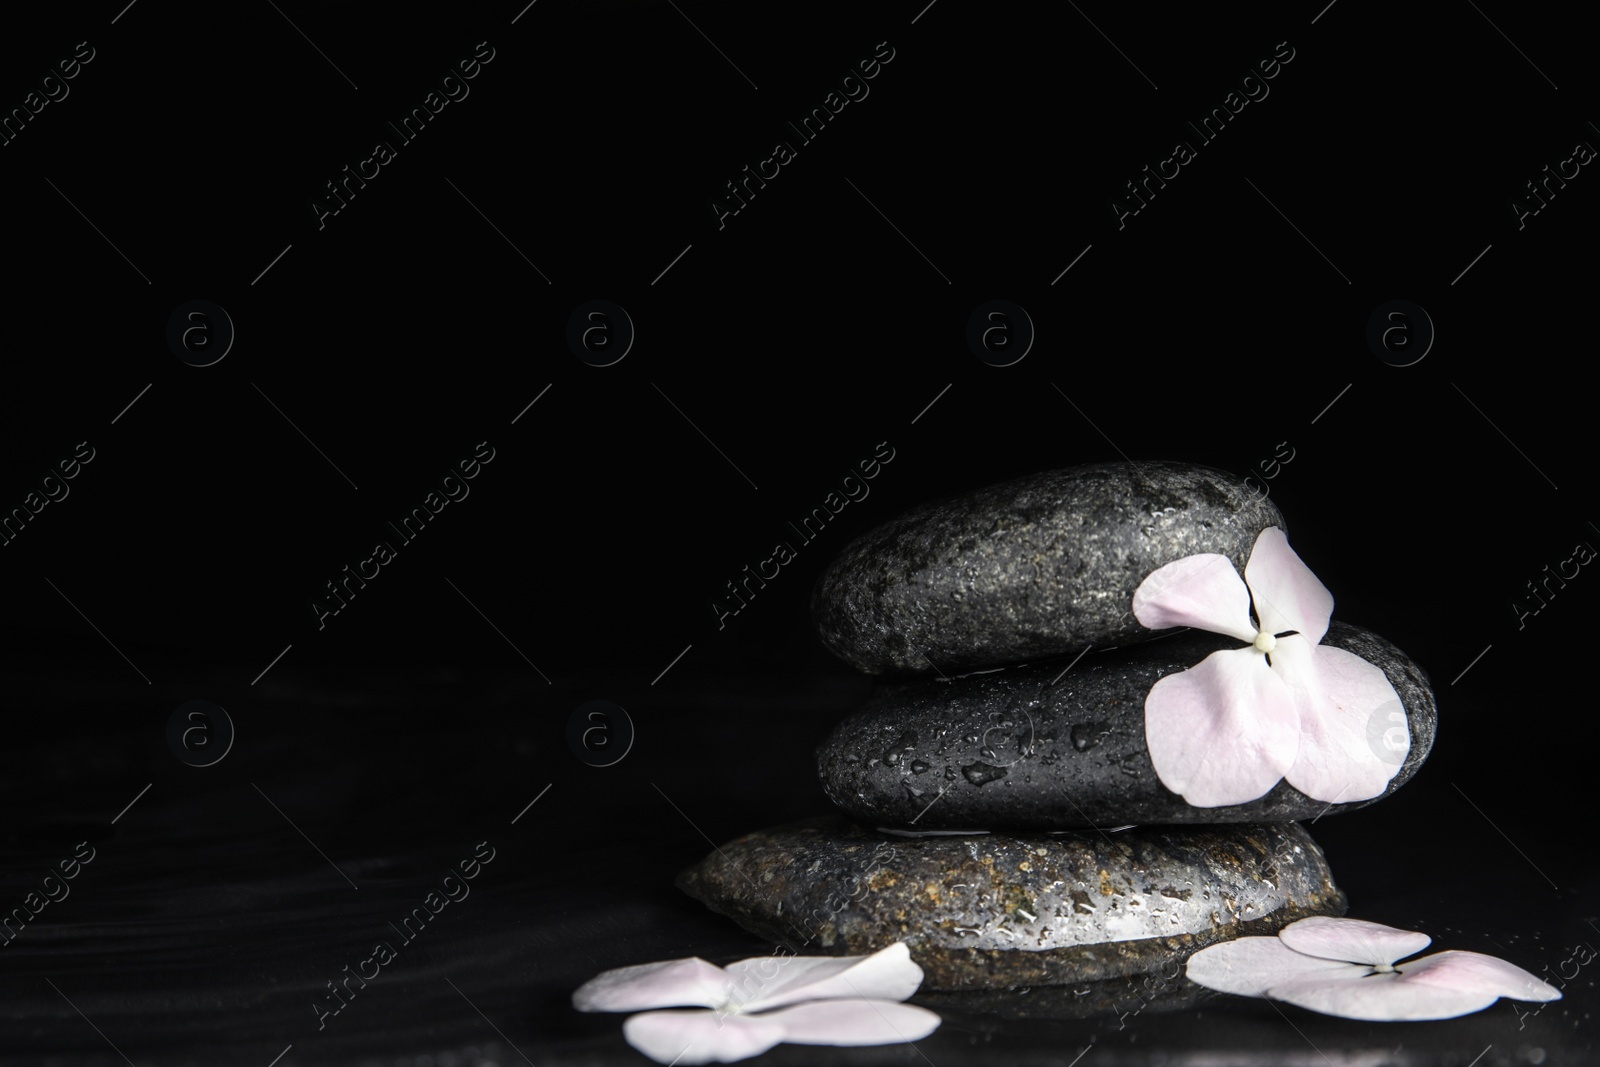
x=734 y=1000
x=1383 y=968
x=1265 y=642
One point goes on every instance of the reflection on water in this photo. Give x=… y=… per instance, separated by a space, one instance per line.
x=1157 y=992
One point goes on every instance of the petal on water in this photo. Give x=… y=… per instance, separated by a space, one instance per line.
x=695 y=1037
x=1353 y=940
x=772 y=981
x=1476 y=971
x=1379 y=998
x=1250 y=966
x=1440 y=986
x=667 y=984
x=855 y=1022
x=686 y=1037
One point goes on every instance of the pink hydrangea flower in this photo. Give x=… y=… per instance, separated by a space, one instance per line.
x=1283 y=707
x=1348 y=968
x=750 y=1006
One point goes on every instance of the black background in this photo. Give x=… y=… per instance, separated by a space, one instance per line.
x=1225 y=319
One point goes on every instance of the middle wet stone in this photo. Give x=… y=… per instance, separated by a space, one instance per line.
x=1057 y=745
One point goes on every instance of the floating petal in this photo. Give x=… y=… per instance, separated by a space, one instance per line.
x=1352 y=940
x=687 y=1037
x=667 y=984
x=772 y=981
x=1248 y=966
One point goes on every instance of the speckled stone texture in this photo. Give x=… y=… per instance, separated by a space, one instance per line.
x=1033 y=567
x=1016 y=749
x=1000 y=911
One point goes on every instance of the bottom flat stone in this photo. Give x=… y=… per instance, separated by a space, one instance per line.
x=1001 y=911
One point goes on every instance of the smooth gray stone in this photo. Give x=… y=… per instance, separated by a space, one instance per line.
x=1018 y=748
x=1033 y=567
x=1001 y=911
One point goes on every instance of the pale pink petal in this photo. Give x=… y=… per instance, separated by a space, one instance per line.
x=1222 y=732
x=1354 y=940
x=854 y=1022
x=1287 y=595
x=1379 y=998
x=1480 y=973
x=771 y=981
x=686 y=1037
x=1337 y=694
x=1249 y=966
x=1203 y=591
x=668 y=984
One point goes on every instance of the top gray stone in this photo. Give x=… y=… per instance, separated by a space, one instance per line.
x=1029 y=568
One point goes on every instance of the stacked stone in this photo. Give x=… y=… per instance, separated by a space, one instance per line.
x=1001 y=813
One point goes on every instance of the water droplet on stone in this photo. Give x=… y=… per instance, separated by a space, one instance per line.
x=982 y=773
x=1086 y=735
x=918 y=767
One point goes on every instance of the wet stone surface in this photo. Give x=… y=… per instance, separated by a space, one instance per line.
x=1033 y=567
x=1030 y=747
x=998 y=911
